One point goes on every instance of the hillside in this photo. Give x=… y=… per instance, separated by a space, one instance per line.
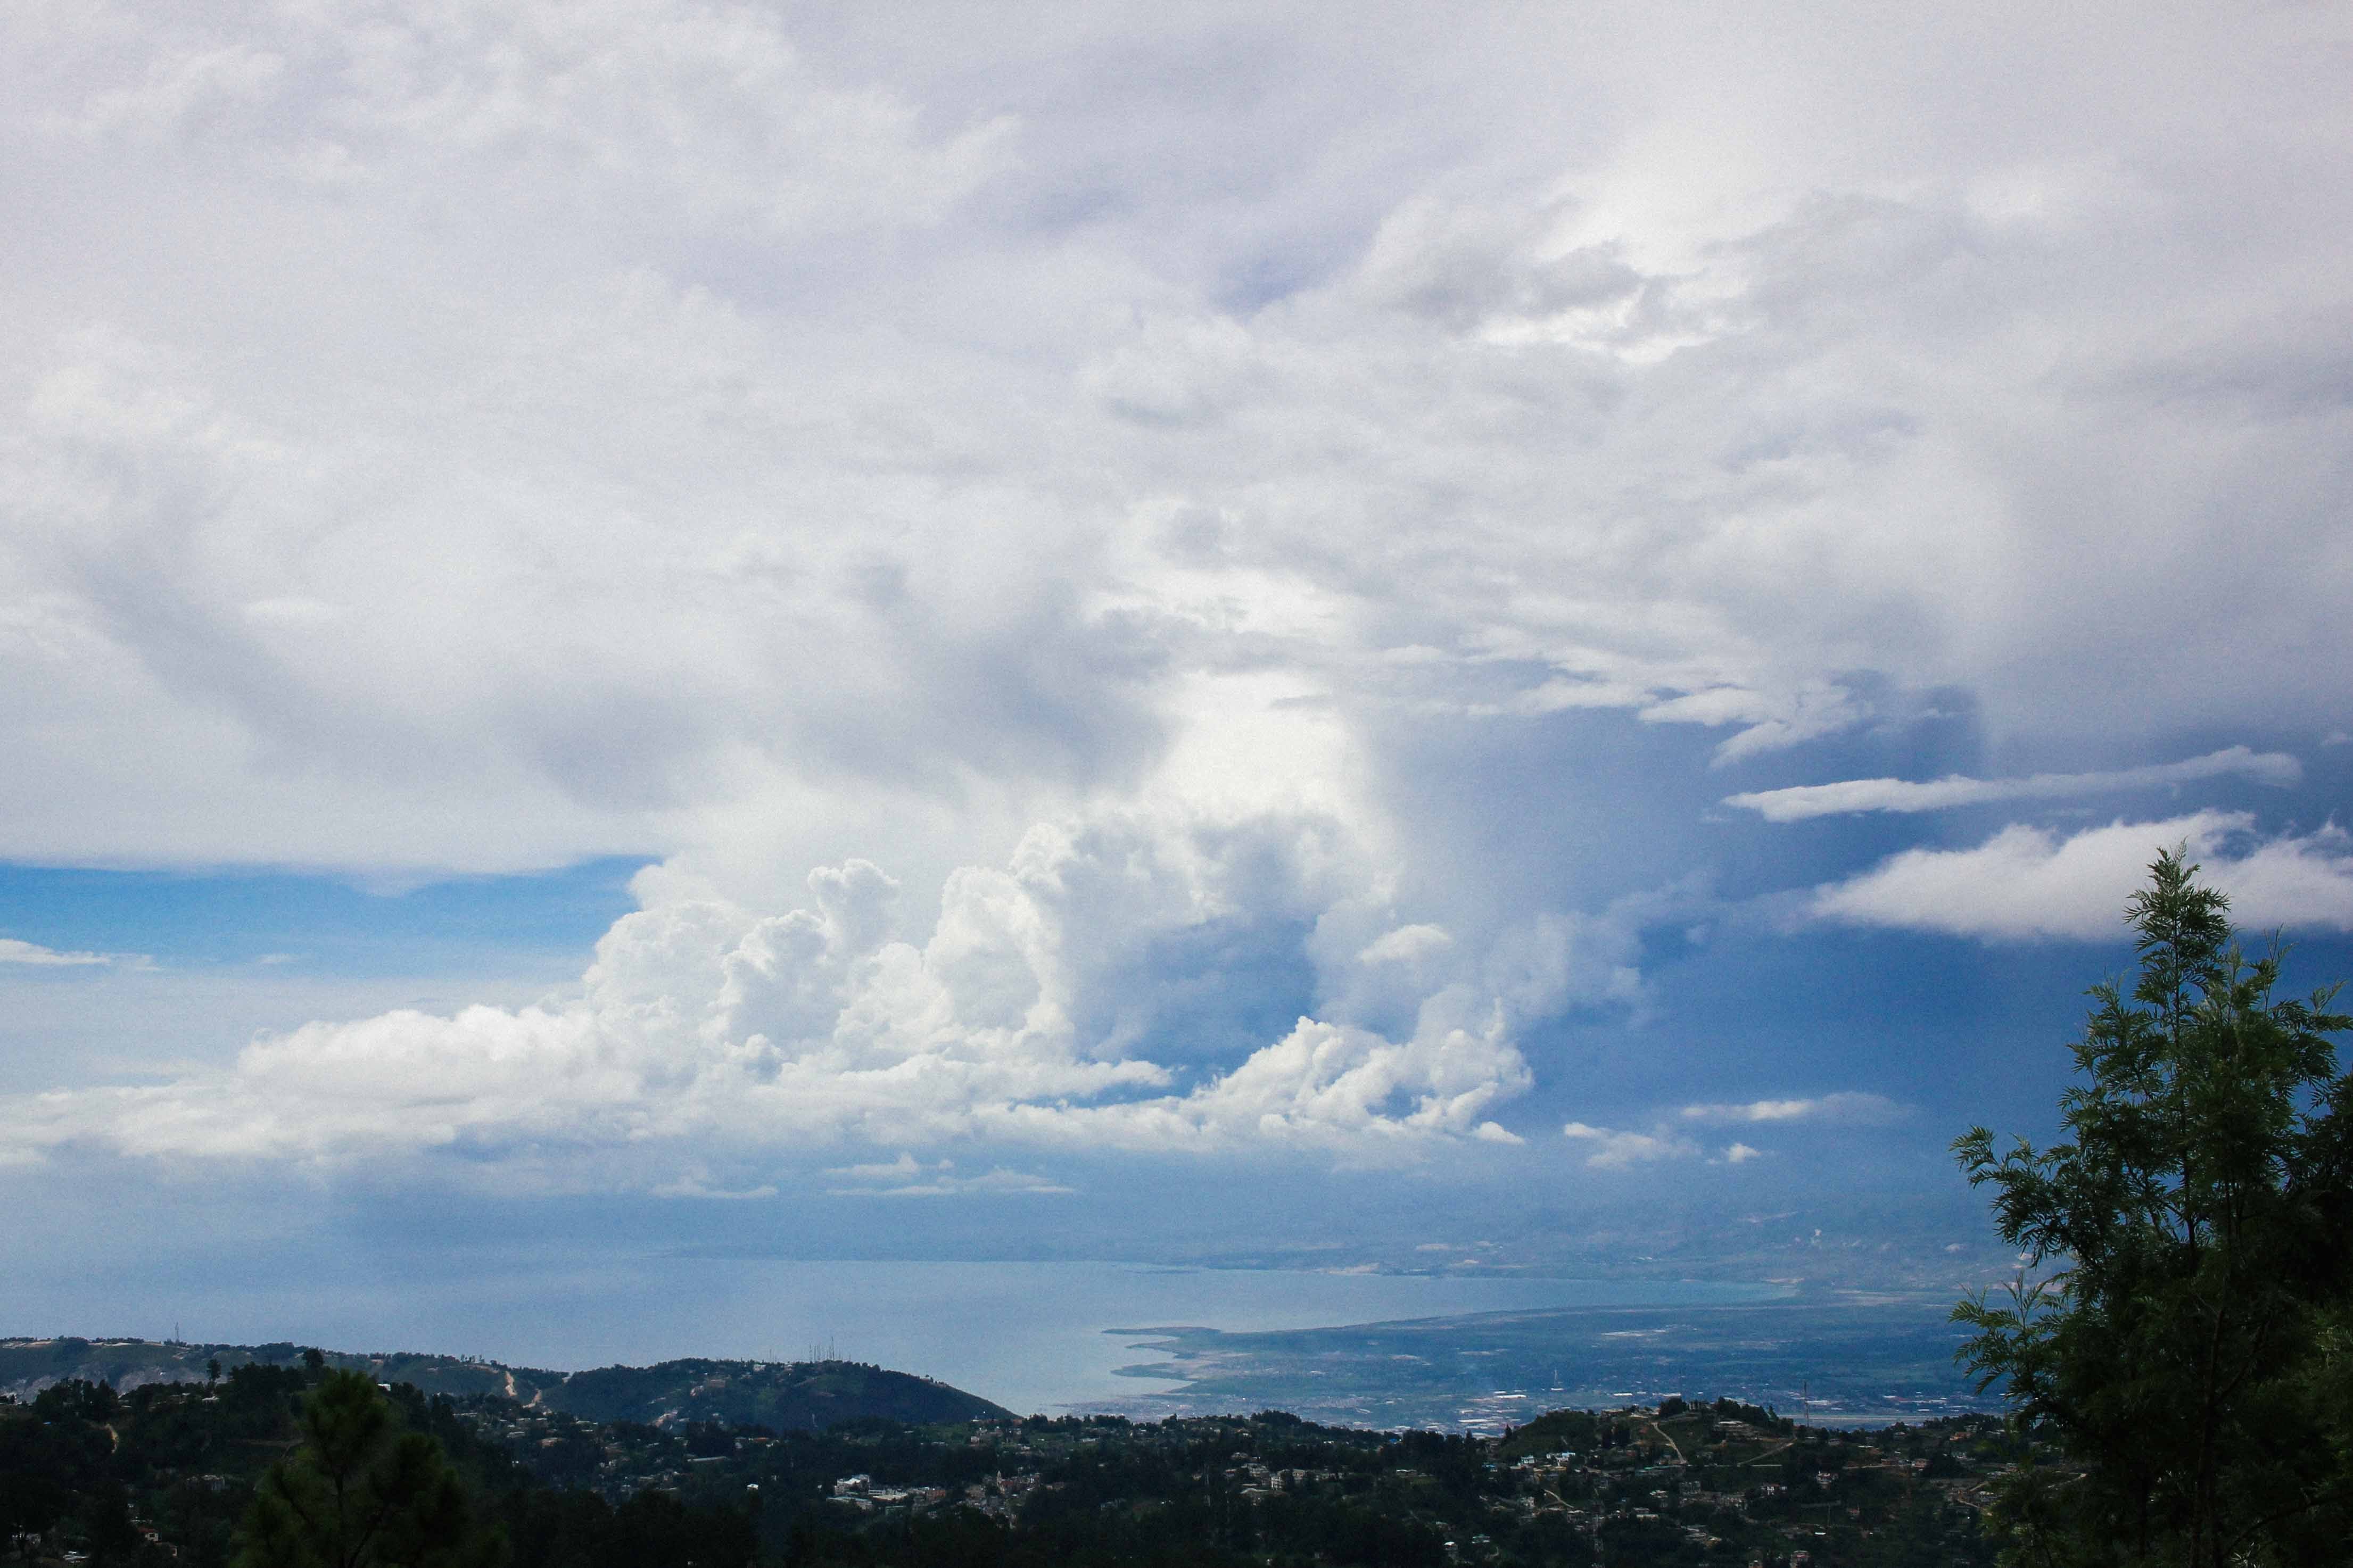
x=86 y=1473
x=794 y=1395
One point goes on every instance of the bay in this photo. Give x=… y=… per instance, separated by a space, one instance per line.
x=1033 y=1336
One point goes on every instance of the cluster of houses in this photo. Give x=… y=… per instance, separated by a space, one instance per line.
x=860 y=1493
x=1258 y=1481
x=999 y=1498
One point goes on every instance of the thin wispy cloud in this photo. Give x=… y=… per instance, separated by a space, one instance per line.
x=32 y=953
x=1672 y=1138
x=698 y=1185
x=1844 y=1109
x=1800 y=802
x=1614 y=1149
x=907 y=1177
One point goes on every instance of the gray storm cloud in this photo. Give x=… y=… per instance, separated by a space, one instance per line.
x=530 y=431
x=475 y=437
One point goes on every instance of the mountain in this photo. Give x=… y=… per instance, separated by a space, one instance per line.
x=809 y=1396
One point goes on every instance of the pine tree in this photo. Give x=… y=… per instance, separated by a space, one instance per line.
x=362 y=1493
x=2188 y=1349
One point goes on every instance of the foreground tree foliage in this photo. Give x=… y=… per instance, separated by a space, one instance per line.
x=2190 y=1356
x=363 y=1492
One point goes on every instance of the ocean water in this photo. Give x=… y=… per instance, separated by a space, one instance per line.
x=1834 y=1357
x=1031 y=1336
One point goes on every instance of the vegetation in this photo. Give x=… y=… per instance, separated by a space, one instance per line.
x=812 y=1394
x=306 y=1464
x=362 y=1492
x=2186 y=1356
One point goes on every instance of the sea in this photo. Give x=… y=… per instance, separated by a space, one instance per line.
x=1138 y=1338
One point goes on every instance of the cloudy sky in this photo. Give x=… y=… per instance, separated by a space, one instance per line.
x=1523 y=637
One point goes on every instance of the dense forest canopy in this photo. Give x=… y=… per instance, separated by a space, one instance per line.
x=205 y=1473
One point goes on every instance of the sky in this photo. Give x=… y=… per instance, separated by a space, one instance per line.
x=1514 y=638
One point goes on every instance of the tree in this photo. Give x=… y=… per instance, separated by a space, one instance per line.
x=2187 y=1351
x=362 y=1493
x=106 y=1517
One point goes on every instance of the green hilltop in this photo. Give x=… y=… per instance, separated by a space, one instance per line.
x=810 y=1395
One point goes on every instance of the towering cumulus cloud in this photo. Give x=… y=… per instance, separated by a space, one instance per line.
x=1021 y=1015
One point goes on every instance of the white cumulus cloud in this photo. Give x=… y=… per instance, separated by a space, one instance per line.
x=700 y=1023
x=2027 y=882
x=1406 y=943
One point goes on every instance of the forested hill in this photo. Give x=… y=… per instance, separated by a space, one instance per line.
x=812 y=1396
x=780 y=1396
